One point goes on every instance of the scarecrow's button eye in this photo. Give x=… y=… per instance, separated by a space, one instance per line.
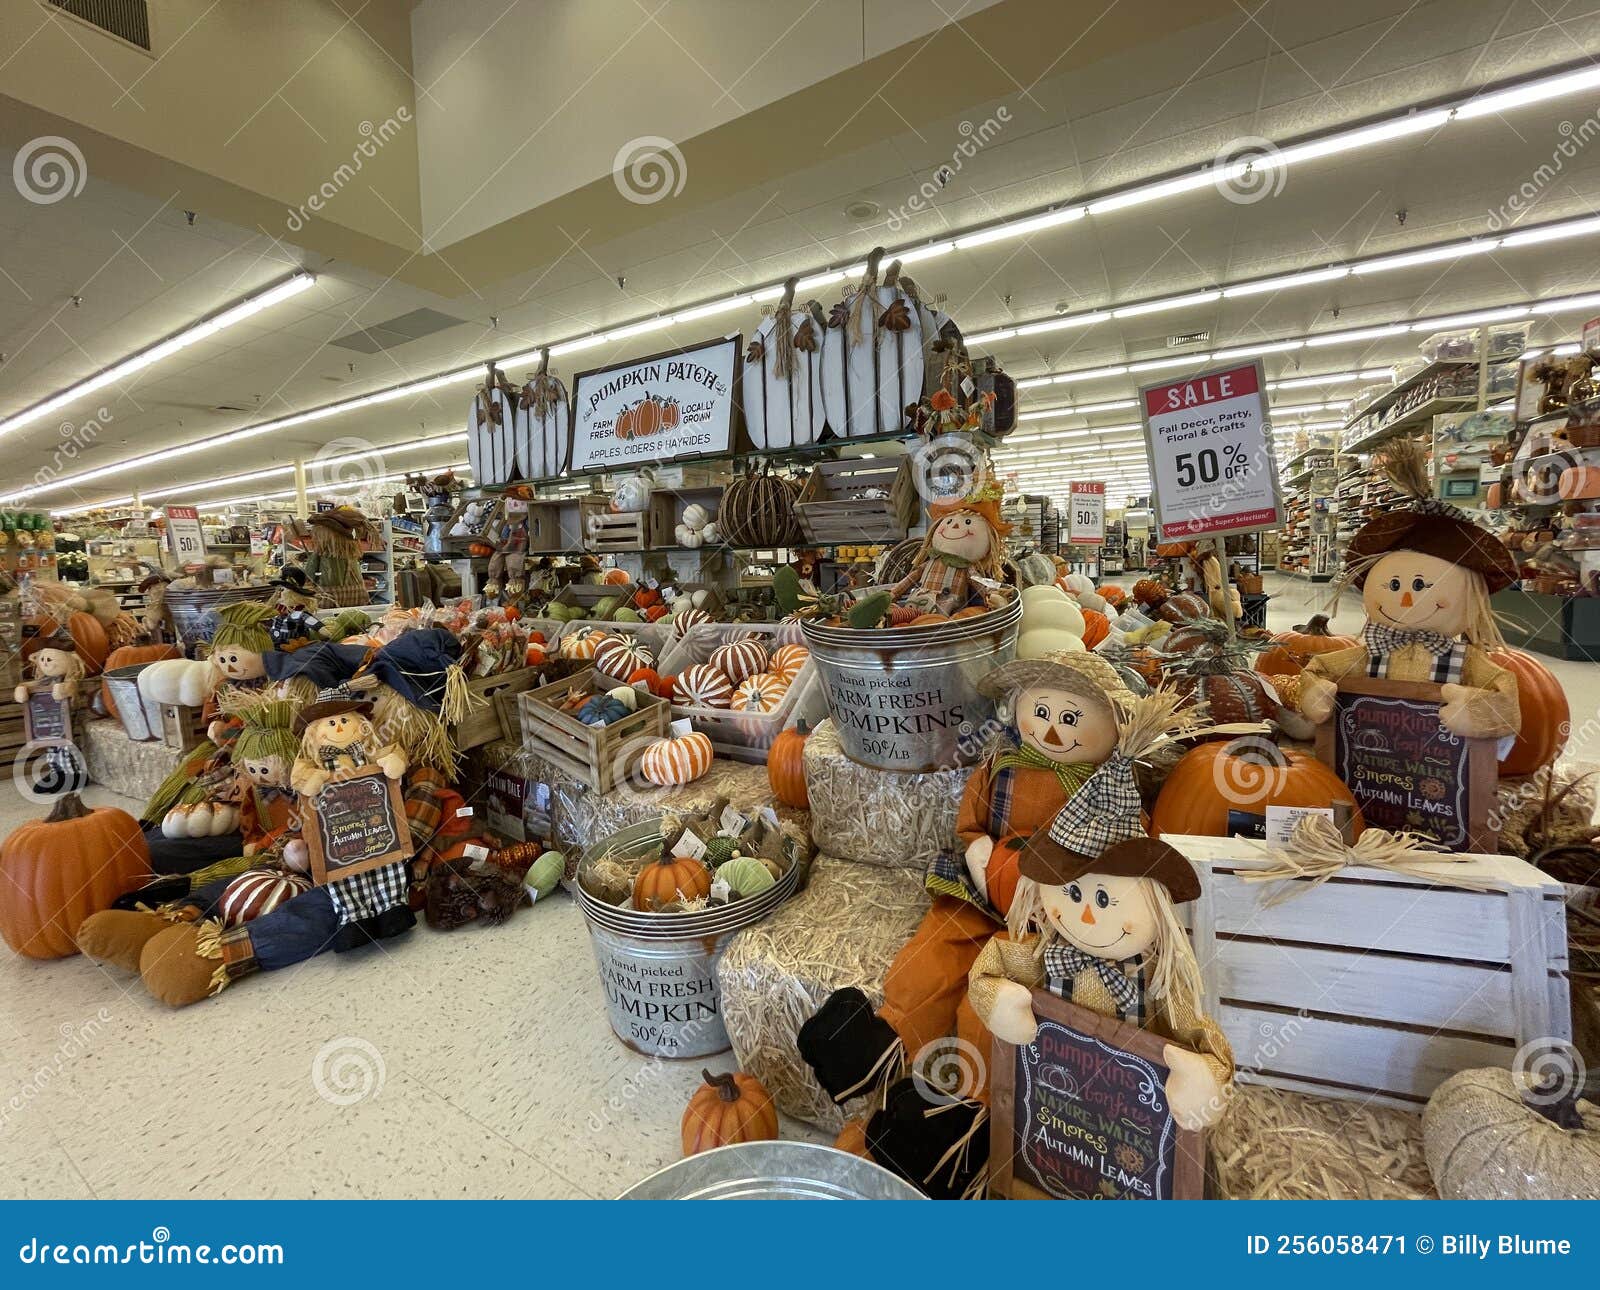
x=1394 y=584
x=1075 y=894
x=1042 y=712
x=1101 y=899
x=1069 y=718
x=1417 y=584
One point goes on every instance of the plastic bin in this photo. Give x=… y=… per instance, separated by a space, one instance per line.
x=744 y=736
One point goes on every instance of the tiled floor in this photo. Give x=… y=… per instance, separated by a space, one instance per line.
x=470 y=1063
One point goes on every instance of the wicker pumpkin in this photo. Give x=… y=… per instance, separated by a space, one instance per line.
x=1096 y=627
x=670 y=880
x=758 y=510
x=728 y=1109
x=1292 y=650
x=738 y=659
x=762 y=692
x=1485 y=1139
x=676 y=760
x=1231 y=692
x=786 y=767
x=787 y=660
x=702 y=686
x=1546 y=715
x=57 y=871
x=621 y=656
x=129 y=656
x=1246 y=775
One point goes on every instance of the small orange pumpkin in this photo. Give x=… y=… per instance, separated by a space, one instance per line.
x=615 y=578
x=669 y=879
x=1292 y=650
x=728 y=1109
x=927 y=620
x=786 y=767
x=1096 y=627
x=1546 y=715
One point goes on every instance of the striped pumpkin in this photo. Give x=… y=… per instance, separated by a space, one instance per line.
x=789 y=632
x=739 y=659
x=673 y=761
x=703 y=686
x=787 y=660
x=681 y=623
x=258 y=892
x=622 y=656
x=582 y=644
x=762 y=692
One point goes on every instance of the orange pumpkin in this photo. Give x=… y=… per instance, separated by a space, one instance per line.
x=1292 y=650
x=88 y=638
x=57 y=871
x=786 y=767
x=1546 y=715
x=1246 y=775
x=927 y=620
x=1096 y=627
x=728 y=1109
x=615 y=578
x=669 y=879
x=127 y=656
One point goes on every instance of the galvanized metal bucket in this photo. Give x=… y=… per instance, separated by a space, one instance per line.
x=773 y=1171
x=140 y=717
x=659 y=971
x=906 y=698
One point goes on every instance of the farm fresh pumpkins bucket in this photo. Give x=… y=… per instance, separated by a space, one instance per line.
x=906 y=698
x=659 y=970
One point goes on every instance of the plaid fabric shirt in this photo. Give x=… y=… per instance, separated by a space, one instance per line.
x=1124 y=981
x=368 y=894
x=1449 y=652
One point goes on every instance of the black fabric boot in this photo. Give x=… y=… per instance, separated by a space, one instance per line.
x=850 y=1049
x=935 y=1142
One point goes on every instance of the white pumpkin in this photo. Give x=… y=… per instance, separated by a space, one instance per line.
x=696 y=516
x=709 y=533
x=626 y=695
x=200 y=820
x=691 y=538
x=1047 y=640
x=224 y=819
x=1092 y=600
x=179 y=680
x=1078 y=583
x=1062 y=614
x=175 y=823
x=700 y=599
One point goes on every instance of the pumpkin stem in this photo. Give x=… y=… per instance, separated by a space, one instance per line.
x=69 y=806
x=801 y=728
x=1316 y=625
x=727 y=1089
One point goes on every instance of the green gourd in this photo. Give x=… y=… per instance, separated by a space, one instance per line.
x=543 y=874
x=868 y=612
x=719 y=851
x=747 y=876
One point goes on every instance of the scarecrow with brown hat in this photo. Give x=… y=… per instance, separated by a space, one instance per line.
x=1063 y=713
x=964 y=542
x=1425 y=573
x=335 y=560
x=54 y=662
x=1094 y=921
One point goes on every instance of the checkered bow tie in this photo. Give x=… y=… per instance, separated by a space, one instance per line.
x=1386 y=640
x=1063 y=962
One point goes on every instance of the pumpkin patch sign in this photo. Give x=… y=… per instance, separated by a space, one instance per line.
x=681 y=403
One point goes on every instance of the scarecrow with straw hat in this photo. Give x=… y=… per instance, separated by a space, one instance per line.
x=1063 y=713
x=964 y=542
x=1094 y=922
x=1425 y=573
x=335 y=560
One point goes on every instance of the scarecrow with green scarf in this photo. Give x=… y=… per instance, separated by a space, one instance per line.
x=263 y=756
x=1062 y=712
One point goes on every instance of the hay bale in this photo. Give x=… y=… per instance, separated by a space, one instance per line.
x=843 y=929
x=896 y=819
x=1272 y=1144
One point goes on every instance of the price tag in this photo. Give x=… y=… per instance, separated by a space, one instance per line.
x=1086 y=519
x=1282 y=819
x=184 y=538
x=733 y=822
x=689 y=846
x=1210 y=447
x=681 y=727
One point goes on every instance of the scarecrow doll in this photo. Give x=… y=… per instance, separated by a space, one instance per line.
x=1094 y=922
x=55 y=665
x=964 y=543
x=238 y=648
x=263 y=755
x=1425 y=573
x=335 y=560
x=1064 y=713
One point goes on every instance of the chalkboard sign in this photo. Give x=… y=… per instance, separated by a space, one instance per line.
x=46 y=720
x=1081 y=1114
x=358 y=822
x=1405 y=770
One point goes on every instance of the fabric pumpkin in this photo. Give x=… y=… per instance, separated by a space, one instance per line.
x=762 y=692
x=581 y=645
x=1246 y=775
x=786 y=767
x=189 y=682
x=739 y=659
x=1096 y=627
x=1292 y=650
x=1484 y=1140
x=128 y=656
x=728 y=1109
x=671 y=762
x=681 y=623
x=258 y=892
x=787 y=660
x=621 y=656
x=1546 y=715
x=703 y=686
x=670 y=880
x=57 y=871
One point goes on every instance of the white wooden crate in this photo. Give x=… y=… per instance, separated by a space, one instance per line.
x=1373 y=986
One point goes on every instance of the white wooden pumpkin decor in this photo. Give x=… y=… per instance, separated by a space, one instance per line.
x=872 y=357
x=544 y=437
x=781 y=385
x=491 y=430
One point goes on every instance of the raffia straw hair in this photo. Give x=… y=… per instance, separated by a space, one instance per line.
x=1405 y=464
x=1146 y=721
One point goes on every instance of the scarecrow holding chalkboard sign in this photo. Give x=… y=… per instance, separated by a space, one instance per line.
x=1425 y=572
x=1094 y=922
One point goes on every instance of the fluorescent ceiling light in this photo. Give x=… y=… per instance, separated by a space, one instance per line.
x=919 y=253
x=246 y=308
x=1361 y=137
x=1060 y=324
x=1552 y=232
x=1476 y=319
x=1358 y=333
x=1171 y=302
x=1427 y=255
x=1535 y=91
x=1247 y=351
x=1288 y=280
x=1019 y=227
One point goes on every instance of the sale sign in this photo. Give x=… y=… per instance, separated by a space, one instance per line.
x=1086 y=513
x=187 y=542
x=1210 y=446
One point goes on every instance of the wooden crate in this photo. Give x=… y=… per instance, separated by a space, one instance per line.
x=600 y=756
x=182 y=727
x=828 y=514
x=1374 y=986
x=483 y=724
x=629 y=532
